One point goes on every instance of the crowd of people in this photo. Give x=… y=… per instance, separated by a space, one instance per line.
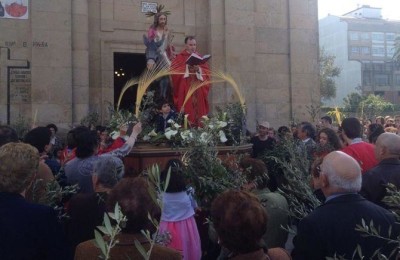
x=350 y=167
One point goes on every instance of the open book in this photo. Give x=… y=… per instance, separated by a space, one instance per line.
x=195 y=59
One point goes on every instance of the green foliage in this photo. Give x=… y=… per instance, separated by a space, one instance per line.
x=21 y=126
x=352 y=102
x=366 y=106
x=91 y=120
x=207 y=174
x=392 y=199
x=327 y=74
x=111 y=231
x=120 y=118
x=155 y=190
x=374 y=105
x=289 y=161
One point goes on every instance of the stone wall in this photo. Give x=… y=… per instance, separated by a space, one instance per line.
x=269 y=47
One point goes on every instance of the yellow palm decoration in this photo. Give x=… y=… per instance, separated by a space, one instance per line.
x=228 y=78
x=195 y=86
x=146 y=79
x=128 y=84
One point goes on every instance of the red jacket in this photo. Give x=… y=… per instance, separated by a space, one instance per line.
x=363 y=153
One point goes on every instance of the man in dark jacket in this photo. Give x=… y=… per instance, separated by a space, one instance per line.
x=330 y=229
x=387 y=153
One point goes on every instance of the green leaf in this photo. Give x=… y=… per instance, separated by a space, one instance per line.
x=141 y=249
x=103 y=230
x=117 y=210
x=100 y=242
x=107 y=223
x=167 y=179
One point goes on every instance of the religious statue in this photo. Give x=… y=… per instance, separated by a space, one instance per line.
x=159 y=51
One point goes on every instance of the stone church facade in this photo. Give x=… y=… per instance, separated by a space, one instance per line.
x=58 y=65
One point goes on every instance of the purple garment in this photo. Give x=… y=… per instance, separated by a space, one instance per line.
x=176 y=206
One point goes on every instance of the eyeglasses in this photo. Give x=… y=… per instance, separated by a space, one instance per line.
x=317 y=171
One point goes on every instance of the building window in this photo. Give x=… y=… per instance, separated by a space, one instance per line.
x=397 y=80
x=378 y=66
x=365 y=50
x=378 y=51
x=355 y=50
x=381 y=80
x=378 y=37
x=364 y=36
x=390 y=37
x=353 y=36
x=379 y=93
x=390 y=49
x=367 y=79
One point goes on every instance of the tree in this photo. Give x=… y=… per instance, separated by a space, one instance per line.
x=327 y=74
x=374 y=105
x=352 y=102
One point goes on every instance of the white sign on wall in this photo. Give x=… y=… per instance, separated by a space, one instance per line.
x=14 y=9
x=149 y=7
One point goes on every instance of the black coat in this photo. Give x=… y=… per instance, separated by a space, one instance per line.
x=29 y=231
x=330 y=229
x=375 y=180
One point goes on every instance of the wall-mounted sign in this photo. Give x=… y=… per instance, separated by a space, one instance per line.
x=20 y=85
x=149 y=7
x=14 y=9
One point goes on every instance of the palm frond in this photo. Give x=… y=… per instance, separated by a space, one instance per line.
x=228 y=78
x=195 y=86
x=130 y=83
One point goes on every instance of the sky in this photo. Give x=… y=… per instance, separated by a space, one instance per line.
x=390 y=8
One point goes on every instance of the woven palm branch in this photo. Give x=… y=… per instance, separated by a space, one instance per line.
x=159 y=10
x=228 y=78
x=146 y=79
x=130 y=83
x=195 y=86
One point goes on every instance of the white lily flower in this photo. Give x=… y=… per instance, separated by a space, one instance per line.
x=114 y=134
x=171 y=121
x=177 y=126
x=152 y=133
x=222 y=136
x=221 y=124
x=186 y=134
x=146 y=138
x=170 y=133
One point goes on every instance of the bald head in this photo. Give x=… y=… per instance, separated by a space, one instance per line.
x=342 y=173
x=387 y=146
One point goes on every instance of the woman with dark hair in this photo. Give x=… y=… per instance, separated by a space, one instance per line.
x=133 y=196
x=374 y=131
x=241 y=221
x=327 y=141
x=79 y=170
x=178 y=211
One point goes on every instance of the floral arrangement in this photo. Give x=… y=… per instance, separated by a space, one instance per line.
x=212 y=131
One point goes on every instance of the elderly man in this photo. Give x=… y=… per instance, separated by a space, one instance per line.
x=27 y=230
x=330 y=229
x=387 y=153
